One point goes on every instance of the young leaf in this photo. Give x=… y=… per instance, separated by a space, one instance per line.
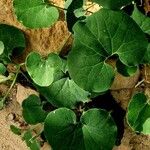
x=113 y=4
x=34 y=144
x=1 y=47
x=4 y=78
x=142 y=20
x=138 y=114
x=102 y=35
x=15 y=130
x=43 y=71
x=2 y=69
x=126 y=70
x=35 y=13
x=64 y=93
x=12 y=38
x=32 y=110
x=95 y=130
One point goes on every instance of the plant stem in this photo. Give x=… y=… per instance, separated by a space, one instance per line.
x=12 y=84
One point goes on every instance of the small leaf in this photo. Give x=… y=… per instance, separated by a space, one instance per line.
x=113 y=4
x=142 y=20
x=32 y=110
x=12 y=38
x=64 y=93
x=100 y=36
x=138 y=114
x=4 y=78
x=1 y=47
x=35 y=13
x=43 y=71
x=2 y=69
x=34 y=144
x=15 y=130
x=63 y=132
x=72 y=6
x=126 y=70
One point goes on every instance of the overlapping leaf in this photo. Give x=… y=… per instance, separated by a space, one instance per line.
x=113 y=4
x=142 y=20
x=100 y=36
x=43 y=71
x=12 y=38
x=95 y=130
x=138 y=114
x=33 y=112
x=64 y=93
x=35 y=13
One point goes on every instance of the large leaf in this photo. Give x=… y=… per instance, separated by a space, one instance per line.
x=33 y=112
x=12 y=38
x=64 y=93
x=95 y=131
x=112 y=4
x=102 y=35
x=43 y=71
x=35 y=13
x=142 y=20
x=138 y=114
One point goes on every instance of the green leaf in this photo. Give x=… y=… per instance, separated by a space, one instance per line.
x=35 y=13
x=142 y=20
x=43 y=71
x=64 y=93
x=138 y=114
x=113 y=4
x=1 y=47
x=32 y=144
x=12 y=38
x=100 y=36
x=2 y=69
x=96 y=130
x=15 y=130
x=147 y=55
x=126 y=70
x=32 y=110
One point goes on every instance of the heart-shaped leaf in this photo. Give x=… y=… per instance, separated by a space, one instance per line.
x=100 y=36
x=142 y=20
x=95 y=130
x=35 y=13
x=12 y=38
x=113 y=4
x=33 y=112
x=138 y=114
x=64 y=93
x=43 y=71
